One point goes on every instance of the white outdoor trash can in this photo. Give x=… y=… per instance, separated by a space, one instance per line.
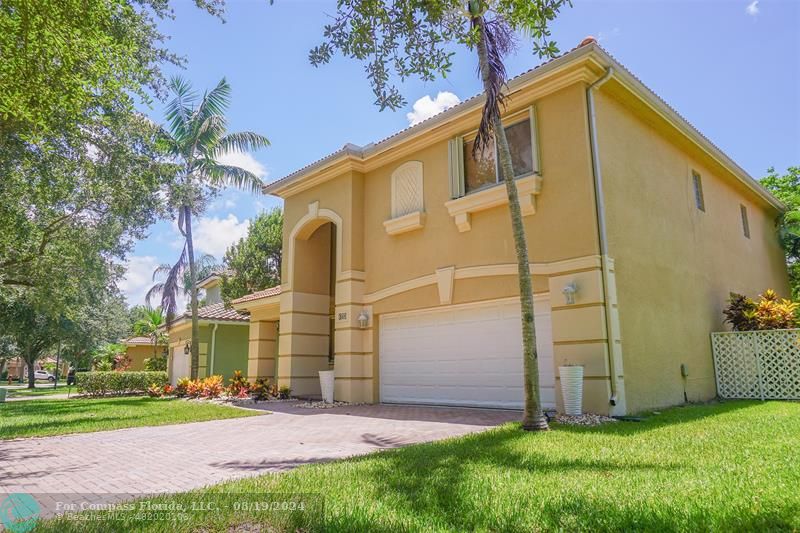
x=326 y=384
x=572 y=389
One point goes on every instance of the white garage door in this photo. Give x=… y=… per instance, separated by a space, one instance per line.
x=463 y=355
x=180 y=366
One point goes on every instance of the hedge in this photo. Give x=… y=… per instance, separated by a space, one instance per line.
x=115 y=383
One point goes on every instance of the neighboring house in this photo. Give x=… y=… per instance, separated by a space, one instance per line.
x=399 y=260
x=223 y=338
x=17 y=369
x=139 y=349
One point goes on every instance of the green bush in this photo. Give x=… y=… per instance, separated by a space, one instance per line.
x=116 y=383
x=155 y=363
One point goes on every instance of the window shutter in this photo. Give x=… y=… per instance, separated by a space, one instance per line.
x=456 y=154
x=537 y=166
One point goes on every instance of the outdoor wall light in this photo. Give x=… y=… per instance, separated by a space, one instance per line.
x=363 y=319
x=187 y=348
x=569 y=293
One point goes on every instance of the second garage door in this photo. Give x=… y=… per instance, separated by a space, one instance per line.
x=463 y=355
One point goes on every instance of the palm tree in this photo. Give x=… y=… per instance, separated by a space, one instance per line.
x=494 y=40
x=196 y=139
x=205 y=265
x=151 y=324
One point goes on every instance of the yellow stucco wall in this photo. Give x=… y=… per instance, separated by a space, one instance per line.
x=139 y=353
x=675 y=264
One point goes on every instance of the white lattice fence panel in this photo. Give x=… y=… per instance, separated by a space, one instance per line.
x=757 y=364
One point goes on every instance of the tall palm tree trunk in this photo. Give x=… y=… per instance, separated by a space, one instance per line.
x=533 y=418
x=193 y=277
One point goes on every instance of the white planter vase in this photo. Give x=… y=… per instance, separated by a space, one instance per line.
x=326 y=385
x=572 y=389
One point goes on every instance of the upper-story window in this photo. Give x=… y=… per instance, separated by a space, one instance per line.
x=470 y=173
x=697 y=184
x=745 y=221
x=407 y=189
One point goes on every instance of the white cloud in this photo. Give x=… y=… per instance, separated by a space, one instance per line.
x=213 y=235
x=138 y=278
x=426 y=107
x=752 y=8
x=245 y=161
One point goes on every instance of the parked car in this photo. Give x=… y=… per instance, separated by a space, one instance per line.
x=43 y=375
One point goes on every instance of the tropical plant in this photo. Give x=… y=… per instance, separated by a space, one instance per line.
x=152 y=324
x=196 y=139
x=238 y=385
x=769 y=312
x=254 y=263
x=416 y=38
x=263 y=389
x=182 y=387
x=786 y=187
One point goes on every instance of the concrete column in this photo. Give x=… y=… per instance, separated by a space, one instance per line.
x=354 y=368
x=304 y=341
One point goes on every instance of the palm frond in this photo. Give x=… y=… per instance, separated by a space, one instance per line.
x=498 y=38
x=219 y=175
x=161 y=270
x=243 y=141
x=154 y=292
x=215 y=101
x=171 y=286
x=179 y=109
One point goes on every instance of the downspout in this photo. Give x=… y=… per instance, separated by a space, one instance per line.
x=601 y=225
x=213 y=349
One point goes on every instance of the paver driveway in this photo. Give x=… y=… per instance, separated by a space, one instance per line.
x=150 y=460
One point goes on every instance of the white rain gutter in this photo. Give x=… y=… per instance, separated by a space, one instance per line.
x=213 y=349
x=601 y=225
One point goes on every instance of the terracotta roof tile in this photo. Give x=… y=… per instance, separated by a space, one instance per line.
x=266 y=293
x=137 y=340
x=218 y=312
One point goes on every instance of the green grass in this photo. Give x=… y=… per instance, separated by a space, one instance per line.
x=724 y=467
x=42 y=390
x=43 y=418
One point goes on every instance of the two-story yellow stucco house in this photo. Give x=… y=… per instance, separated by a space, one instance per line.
x=399 y=264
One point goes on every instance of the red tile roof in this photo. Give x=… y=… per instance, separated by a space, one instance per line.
x=218 y=312
x=137 y=340
x=266 y=293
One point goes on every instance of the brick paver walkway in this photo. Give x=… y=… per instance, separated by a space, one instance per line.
x=176 y=458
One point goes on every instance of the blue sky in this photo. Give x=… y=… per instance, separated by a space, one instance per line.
x=731 y=67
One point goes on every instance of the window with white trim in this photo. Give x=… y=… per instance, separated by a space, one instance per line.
x=407 y=189
x=469 y=174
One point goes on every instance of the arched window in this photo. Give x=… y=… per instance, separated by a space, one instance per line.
x=407 y=189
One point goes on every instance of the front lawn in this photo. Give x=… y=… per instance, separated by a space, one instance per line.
x=41 y=418
x=724 y=467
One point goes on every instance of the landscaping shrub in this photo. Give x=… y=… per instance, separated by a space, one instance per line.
x=239 y=386
x=154 y=364
x=212 y=387
x=284 y=392
x=263 y=389
x=110 y=383
x=769 y=312
x=182 y=387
